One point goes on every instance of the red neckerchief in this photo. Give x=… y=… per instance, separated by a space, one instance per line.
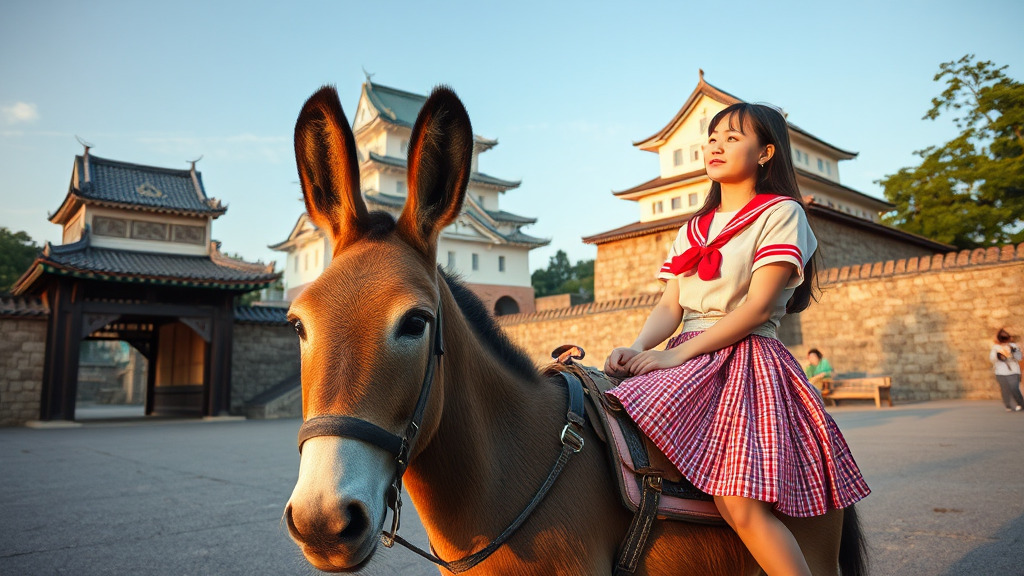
x=706 y=258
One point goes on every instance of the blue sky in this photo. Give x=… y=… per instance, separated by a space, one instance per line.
x=565 y=87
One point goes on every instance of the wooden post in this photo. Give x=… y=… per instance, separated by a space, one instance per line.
x=63 y=345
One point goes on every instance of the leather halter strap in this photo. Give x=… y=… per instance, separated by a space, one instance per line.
x=358 y=429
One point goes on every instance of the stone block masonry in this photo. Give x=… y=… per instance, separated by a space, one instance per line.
x=926 y=321
x=262 y=357
x=22 y=350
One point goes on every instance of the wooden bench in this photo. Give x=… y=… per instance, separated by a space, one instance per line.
x=877 y=388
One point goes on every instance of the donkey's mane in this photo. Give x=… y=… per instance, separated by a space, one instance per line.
x=487 y=330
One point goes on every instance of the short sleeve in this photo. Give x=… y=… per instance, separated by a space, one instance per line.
x=679 y=245
x=786 y=237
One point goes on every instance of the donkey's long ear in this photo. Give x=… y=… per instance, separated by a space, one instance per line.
x=440 y=157
x=325 y=153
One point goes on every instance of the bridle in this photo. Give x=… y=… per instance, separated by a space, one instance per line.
x=401 y=447
x=398 y=446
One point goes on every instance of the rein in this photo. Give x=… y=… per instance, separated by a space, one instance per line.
x=401 y=447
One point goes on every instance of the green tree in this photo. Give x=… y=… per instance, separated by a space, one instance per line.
x=970 y=191
x=17 y=251
x=562 y=277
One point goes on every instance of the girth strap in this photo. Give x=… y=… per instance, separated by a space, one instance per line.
x=633 y=546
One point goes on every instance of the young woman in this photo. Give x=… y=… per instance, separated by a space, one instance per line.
x=1005 y=357
x=726 y=402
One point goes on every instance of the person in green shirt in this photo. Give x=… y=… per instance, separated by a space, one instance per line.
x=818 y=370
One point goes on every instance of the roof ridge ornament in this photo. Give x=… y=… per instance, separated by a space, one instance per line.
x=85 y=156
x=368 y=75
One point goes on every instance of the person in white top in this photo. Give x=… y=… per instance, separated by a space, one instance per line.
x=1005 y=357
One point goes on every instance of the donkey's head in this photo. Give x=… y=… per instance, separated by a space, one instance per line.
x=364 y=324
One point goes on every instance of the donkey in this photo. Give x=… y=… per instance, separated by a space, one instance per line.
x=490 y=427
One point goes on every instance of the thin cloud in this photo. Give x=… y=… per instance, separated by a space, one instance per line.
x=20 y=112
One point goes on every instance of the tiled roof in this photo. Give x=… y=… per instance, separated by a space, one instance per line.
x=821 y=211
x=23 y=307
x=514 y=237
x=144 y=187
x=393 y=105
x=82 y=260
x=659 y=182
x=703 y=88
x=638 y=229
x=476 y=177
x=261 y=315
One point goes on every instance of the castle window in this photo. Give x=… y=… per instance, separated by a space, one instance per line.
x=501 y=263
x=693 y=199
x=305 y=261
x=476 y=261
x=658 y=207
x=828 y=168
x=480 y=200
x=677 y=203
x=704 y=125
x=400 y=187
x=451 y=260
x=695 y=152
x=677 y=157
x=405 y=147
x=296 y=257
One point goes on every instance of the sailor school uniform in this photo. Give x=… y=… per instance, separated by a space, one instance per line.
x=743 y=420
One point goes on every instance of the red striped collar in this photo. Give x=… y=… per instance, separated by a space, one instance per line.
x=697 y=229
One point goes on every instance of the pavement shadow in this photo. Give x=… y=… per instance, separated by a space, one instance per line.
x=1001 y=556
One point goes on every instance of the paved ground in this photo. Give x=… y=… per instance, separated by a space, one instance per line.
x=206 y=497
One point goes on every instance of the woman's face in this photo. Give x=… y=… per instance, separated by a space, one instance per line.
x=813 y=359
x=732 y=156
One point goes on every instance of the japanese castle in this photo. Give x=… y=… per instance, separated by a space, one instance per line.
x=485 y=245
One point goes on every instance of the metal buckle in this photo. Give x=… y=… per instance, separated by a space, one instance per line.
x=388 y=538
x=572 y=439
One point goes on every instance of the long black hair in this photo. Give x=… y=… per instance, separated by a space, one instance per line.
x=777 y=176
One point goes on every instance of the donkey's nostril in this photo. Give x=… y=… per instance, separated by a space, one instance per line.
x=358 y=522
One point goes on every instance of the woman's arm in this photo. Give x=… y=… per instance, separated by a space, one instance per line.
x=766 y=285
x=1016 y=353
x=660 y=324
x=663 y=320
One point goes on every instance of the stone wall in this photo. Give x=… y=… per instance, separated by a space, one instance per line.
x=22 y=351
x=597 y=327
x=927 y=322
x=263 y=356
x=627 y=267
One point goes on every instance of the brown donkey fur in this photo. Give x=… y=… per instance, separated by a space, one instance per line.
x=490 y=434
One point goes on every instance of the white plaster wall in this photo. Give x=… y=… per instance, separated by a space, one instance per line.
x=517 y=262
x=686 y=135
x=393 y=142
x=489 y=195
x=149 y=245
x=306 y=262
x=700 y=188
x=73 y=229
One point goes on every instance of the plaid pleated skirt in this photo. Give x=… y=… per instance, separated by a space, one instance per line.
x=744 y=421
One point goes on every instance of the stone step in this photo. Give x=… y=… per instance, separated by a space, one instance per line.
x=283 y=400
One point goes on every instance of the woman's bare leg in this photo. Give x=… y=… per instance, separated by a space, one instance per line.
x=766 y=537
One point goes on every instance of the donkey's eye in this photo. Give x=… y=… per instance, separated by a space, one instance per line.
x=300 y=328
x=413 y=326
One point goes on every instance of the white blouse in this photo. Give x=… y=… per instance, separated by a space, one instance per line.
x=774 y=230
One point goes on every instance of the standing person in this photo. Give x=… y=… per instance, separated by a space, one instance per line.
x=818 y=368
x=1005 y=357
x=726 y=402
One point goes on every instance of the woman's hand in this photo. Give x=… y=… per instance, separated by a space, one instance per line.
x=615 y=365
x=649 y=360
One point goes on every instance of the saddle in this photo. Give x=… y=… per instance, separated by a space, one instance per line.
x=649 y=485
